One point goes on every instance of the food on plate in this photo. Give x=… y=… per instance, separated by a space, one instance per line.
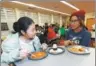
x=56 y=51
x=54 y=47
x=38 y=55
x=76 y=49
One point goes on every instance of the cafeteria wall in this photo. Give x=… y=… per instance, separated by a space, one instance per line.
x=10 y=15
x=90 y=21
x=89 y=15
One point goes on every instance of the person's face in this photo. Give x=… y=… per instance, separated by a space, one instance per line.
x=74 y=23
x=31 y=32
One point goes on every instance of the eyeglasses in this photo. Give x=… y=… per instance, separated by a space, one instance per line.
x=74 y=21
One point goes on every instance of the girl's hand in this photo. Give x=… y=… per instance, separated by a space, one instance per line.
x=44 y=46
x=23 y=54
x=68 y=42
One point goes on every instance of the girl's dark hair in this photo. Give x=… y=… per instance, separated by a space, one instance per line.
x=22 y=24
x=16 y=26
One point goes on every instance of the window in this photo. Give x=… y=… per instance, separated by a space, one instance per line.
x=4 y=27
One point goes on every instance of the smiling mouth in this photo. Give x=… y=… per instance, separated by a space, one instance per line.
x=71 y=26
x=31 y=38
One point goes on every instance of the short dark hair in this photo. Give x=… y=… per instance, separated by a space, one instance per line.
x=22 y=24
x=79 y=17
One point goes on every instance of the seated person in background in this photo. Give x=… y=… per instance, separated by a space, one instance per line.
x=55 y=27
x=51 y=33
x=62 y=31
x=39 y=33
x=46 y=32
x=77 y=31
x=37 y=28
x=24 y=41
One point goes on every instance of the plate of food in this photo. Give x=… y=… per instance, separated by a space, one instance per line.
x=77 y=49
x=56 y=50
x=37 y=55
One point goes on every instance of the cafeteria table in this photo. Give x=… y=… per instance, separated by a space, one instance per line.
x=65 y=59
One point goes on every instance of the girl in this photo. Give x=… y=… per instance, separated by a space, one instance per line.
x=22 y=42
x=77 y=31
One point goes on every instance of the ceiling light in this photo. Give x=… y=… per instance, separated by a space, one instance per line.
x=32 y=5
x=70 y=5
